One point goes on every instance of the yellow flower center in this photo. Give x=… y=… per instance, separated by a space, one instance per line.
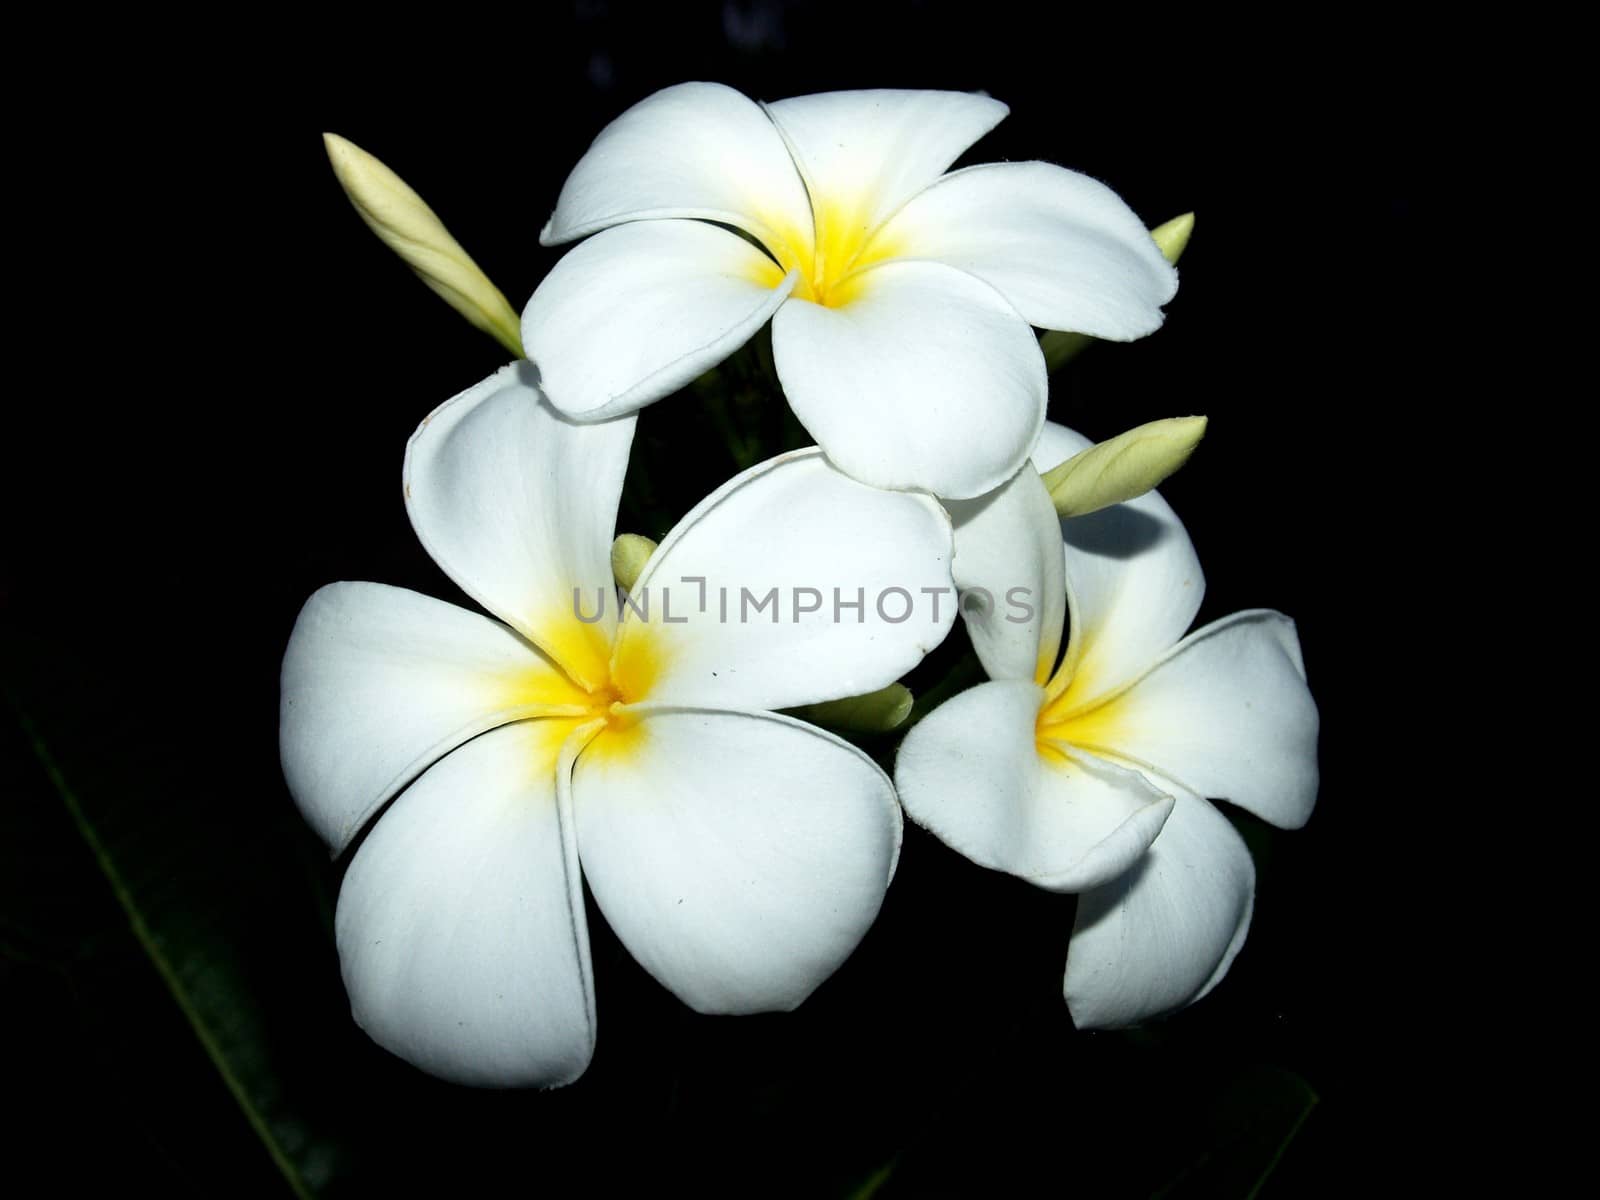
x=600 y=680
x=1069 y=716
x=832 y=262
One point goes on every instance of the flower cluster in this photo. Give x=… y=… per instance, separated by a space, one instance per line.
x=738 y=851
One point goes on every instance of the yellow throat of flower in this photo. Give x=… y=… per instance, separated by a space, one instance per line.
x=1071 y=715
x=833 y=262
x=598 y=681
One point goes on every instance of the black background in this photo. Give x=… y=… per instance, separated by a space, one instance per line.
x=221 y=431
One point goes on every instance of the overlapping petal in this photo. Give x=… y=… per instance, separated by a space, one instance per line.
x=1008 y=564
x=1056 y=444
x=730 y=586
x=972 y=774
x=865 y=153
x=900 y=296
x=1165 y=933
x=378 y=682
x=638 y=311
x=925 y=379
x=739 y=857
x=694 y=150
x=1061 y=247
x=460 y=923
x=1223 y=713
x=518 y=504
x=1134 y=584
x=1227 y=714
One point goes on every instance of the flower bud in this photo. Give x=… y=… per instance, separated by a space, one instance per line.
x=1173 y=236
x=409 y=227
x=876 y=712
x=629 y=553
x=1126 y=466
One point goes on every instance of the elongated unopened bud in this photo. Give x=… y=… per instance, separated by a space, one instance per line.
x=629 y=553
x=1126 y=466
x=1060 y=347
x=405 y=223
x=876 y=712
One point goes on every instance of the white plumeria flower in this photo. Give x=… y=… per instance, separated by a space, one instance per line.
x=900 y=296
x=739 y=854
x=1092 y=775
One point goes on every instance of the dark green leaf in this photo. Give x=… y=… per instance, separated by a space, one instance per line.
x=191 y=885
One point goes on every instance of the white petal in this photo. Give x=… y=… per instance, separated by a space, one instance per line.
x=1134 y=581
x=1061 y=247
x=1228 y=715
x=1056 y=444
x=1165 y=933
x=728 y=592
x=971 y=774
x=518 y=505
x=460 y=923
x=925 y=379
x=864 y=154
x=693 y=150
x=378 y=682
x=638 y=311
x=1008 y=566
x=740 y=858
x=1133 y=586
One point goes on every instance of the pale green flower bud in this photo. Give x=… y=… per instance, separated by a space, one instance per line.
x=876 y=712
x=1126 y=466
x=629 y=553
x=1173 y=236
x=406 y=224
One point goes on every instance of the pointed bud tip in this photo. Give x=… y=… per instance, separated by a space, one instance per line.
x=1123 y=467
x=341 y=151
x=1173 y=236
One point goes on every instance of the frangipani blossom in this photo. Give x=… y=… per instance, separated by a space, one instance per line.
x=901 y=297
x=1092 y=776
x=739 y=854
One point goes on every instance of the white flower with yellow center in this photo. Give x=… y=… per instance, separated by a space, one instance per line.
x=1091 y=776
x=739 y=854
x=901 y=297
